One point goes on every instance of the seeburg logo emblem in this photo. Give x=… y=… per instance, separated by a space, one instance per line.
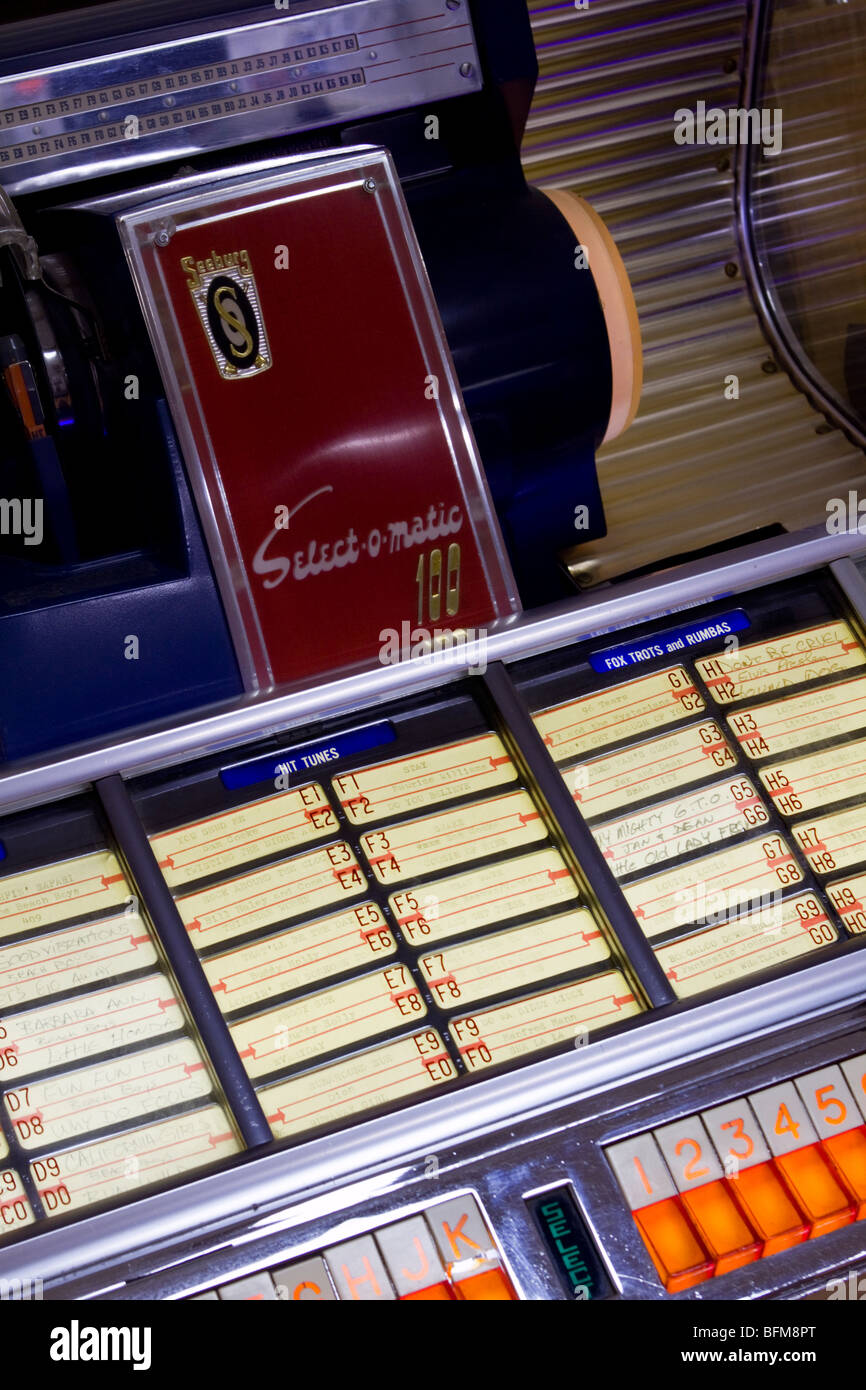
x=224 y=292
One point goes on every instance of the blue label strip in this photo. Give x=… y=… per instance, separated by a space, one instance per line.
x=308 y=758
x=670 y=643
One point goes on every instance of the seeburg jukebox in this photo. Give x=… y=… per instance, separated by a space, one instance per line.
x=394 y=903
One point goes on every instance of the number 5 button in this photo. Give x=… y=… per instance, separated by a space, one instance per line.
x=706 y=1196
x=836 y=1117
x=800 y=1158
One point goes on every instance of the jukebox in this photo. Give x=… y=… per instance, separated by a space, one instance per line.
x=432 y=817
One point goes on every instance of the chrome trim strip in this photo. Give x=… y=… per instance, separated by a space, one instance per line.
x=509 y=640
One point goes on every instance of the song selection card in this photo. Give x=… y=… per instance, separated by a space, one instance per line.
x=111 y=1093
x=848 y=896
x=111 y=1020
x=649 y=769
x=448 y=838
x=57 y=892
x=817 y=779
x=483 y=897
x=635 y=708
x=515 y=959
x=832 y=842
x=60 y=961
x=798 y=720
x=778 y=934
x=423 y=779
x=794 y=659
x=115 y=1167
x=15 y=1209
x=365 y=1081
x=542 y=1020
x=340 y=1017
x=240 y=836
x=714 y=885
x=693 y=822
x=300 y=956
x=291 y=888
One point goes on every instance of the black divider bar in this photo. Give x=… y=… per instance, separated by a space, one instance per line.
x=514 y=715
x=157 y=897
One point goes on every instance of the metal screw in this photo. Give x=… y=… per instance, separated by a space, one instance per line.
x=297 y=72
x=723 y=164
x=233 y=86
x=729 y=65
x=370 y=185
x=103 y=115
x=372 y=53
x=168 y=101
x=453 y=4
x=163 y=234
x=37 y=130
x=466 y=70
x=731 y=270
x=770 y=367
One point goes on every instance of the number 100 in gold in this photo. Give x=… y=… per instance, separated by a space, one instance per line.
x=431 y=577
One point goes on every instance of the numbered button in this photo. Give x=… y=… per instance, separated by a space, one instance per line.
x=837 y=1119
x=829 y=1101
x=800 y=1158
x=855 y=1074
x=736 y=1136
x=758 y=1187
x=708 y=1199
x=688 y=1152
x=641 y=1170
x=669 y=1236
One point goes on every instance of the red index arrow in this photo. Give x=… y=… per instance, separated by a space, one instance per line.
x=140 y=940
x=112 y=878
x=249 y=1052
x=167 y=863
x=671 y=974
x=190 y=1067
x=623 y=999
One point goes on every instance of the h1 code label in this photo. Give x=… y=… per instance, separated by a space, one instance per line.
x=794 y=659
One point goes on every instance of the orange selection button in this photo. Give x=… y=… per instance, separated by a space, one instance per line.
x=493 y=1285
x=675 y=1250
x=847 y=1154
x=813 y=1185
x=723 y=1230
x=769 y=1209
